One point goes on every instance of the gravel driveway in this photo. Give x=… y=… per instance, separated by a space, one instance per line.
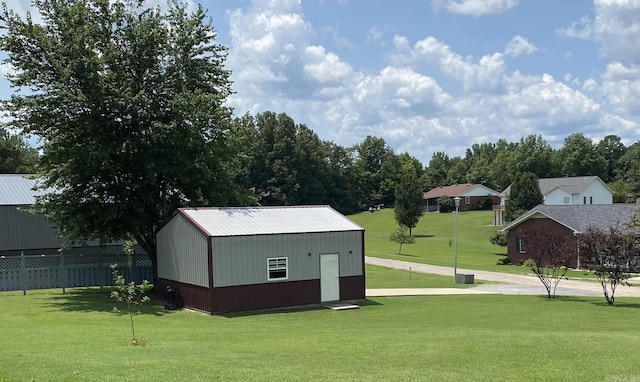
x=507 y=283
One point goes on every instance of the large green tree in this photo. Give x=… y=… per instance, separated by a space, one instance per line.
x=629 y=168
x=532 y=154
x=612 y=149
x=524 y=195
x=409 y=204
x=380 y=169
x=580 y=157
x=130 y=104
x=16 y=157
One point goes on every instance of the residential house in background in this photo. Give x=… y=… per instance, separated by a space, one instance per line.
x=471 y=195
x=570 y=191
x=568 y=220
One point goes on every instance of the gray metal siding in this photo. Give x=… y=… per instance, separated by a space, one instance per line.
x=242 y=260
x=21 y=231
x=182 y=253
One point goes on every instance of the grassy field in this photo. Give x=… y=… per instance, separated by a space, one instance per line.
x=434 y=241
x=381 y=277
x=48 y=336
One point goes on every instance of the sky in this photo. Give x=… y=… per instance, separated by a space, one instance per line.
x=434 y=75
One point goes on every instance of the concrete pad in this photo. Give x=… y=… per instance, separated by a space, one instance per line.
x=341 y=306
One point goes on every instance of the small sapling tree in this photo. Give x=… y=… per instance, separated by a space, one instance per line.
x=131 y=294
x=550 y=254
x=609 y=254
x=401 y=236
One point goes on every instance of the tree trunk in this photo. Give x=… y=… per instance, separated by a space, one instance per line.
x=148 y=243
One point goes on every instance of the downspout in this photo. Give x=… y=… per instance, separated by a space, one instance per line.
x=575 y=234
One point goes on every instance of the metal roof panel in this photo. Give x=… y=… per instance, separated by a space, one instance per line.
x=239 y=221
x=17 y=189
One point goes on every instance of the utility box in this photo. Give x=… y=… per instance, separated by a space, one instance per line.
x=464 y=278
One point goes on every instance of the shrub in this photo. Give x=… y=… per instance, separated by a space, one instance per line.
x=503 y=261
x=499 y=238
x=529 y=263
x=446 y=204
x=484 y=204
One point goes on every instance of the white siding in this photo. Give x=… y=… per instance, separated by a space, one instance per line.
x=597 y=191
x=182 y=253
x=556 y=197
x=241 y=260
x=480 y=191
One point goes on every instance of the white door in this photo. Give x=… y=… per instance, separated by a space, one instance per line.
x=329 y=277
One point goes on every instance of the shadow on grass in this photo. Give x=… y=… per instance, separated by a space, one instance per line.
x=96 y=300
x=598 y=301
x=366 y=302
x=422 y=235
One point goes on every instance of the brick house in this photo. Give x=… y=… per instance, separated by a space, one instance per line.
x=470 y=195
x=569 y=220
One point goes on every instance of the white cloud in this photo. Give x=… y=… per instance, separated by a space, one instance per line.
x=267 y=41
x=325 y=67
x=519 y=46
x=474 y=8
x=486 y=74
x=374 y=34
x=615 y=25
x=581 y=29
x=425 y=89
x=621 y=88
x=551 y=102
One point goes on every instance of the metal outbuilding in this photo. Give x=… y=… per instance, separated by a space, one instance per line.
x=249 y=258
x=20 y=231
x=27 y=233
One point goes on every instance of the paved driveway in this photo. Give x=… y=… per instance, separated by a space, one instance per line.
x=506 y=283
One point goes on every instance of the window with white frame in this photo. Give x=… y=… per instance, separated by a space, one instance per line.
x=277 y=268
x=467 y=199
x=521 y=245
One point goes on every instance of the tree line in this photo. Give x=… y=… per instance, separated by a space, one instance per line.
x=276 y=161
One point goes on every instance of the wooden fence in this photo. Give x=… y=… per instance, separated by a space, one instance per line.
x=27 y=272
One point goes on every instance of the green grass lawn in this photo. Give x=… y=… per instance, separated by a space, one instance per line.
x=434 y=241
x=48 y=336
x=381 y=277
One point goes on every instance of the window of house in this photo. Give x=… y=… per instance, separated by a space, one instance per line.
x=590 y=199
x=584 y=200
x=467 y=199
x=277 y=268
x=521 y=245
x=567 y=200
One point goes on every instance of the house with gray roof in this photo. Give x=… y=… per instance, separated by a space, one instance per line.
x=28 y=233
x=570 y=191
x=250 y=258
x=569 y=220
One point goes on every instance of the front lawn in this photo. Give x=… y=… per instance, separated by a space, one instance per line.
x=48 y=336
x=435 y=238
x=381 y=277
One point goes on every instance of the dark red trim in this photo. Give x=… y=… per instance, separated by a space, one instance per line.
x=352 y=288
x=194 y=223
x=191 y=296
x=265 y=296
